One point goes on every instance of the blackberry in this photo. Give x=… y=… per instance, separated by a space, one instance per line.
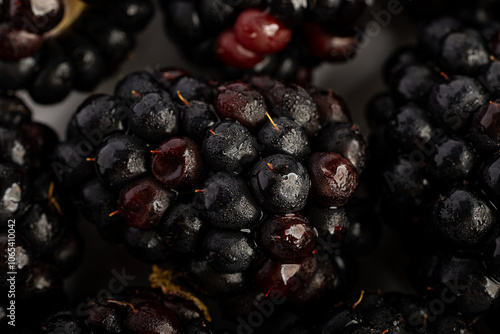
x=438 y=128
x=37 y=229
x=391 y=312
x=233 y=193
x=282 y=38
x=51 y=47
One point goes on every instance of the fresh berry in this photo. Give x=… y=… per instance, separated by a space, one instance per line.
x=288 y=237
x=229 y=146
x=260 y=32
x=437 y=132
x=333 y=178
x=233 y=54
x=143 y=202
x=178 y=163
x=280 y=183
x=120 y=160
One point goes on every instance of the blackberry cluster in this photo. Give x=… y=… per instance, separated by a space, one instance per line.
x=438 y=132
x=283 y=38
x=388 y=313
x=165 y=308
x=38 y=237
x=249 y=182
x=51 y=47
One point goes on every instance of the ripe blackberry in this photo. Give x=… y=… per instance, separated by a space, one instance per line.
x=283 y=38
x=37 y=227
x=438 y=127
x=51 y=47
x=235 y=190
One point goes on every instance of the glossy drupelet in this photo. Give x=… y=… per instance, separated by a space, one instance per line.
x=228 y=193
x=38 y=228
x=51 y=47
x=283 y=38
x=437 y=131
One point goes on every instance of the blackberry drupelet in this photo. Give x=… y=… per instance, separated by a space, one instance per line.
x=37 y=229
x=234 y=192
x=51 y=47
x=435 y=145
x=283 y=38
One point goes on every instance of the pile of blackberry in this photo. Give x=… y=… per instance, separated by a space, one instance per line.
x=283 y=38
x=162 y=309
x=51 y=47
x=39 y=241
x=436 y=134
x=248 y=182
x=388 y=313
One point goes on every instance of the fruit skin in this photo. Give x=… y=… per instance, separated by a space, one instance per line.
x=239 y=102
x=234 y=54
x=227 y=203
x=37 y=17
x=334 y=179
x=344 y=139
x=288 y=237
x=286 y=138
x=228 y=251
x=17 y=43
x=260 y=32
x=226 y=197
x=280 y=183
x=229 y=137
x=181 y=154
x=50 y=65
x=474 y=216
x=143 y=202
x=284 y=277
x=454 y=102
x=154 y=117
x=111 y=155
x=301 y=108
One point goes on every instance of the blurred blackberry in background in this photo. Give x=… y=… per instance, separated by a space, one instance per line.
x=282 y=38
x=39 y=241
x=435 y=145
x=250 y=183
x=50 y=47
